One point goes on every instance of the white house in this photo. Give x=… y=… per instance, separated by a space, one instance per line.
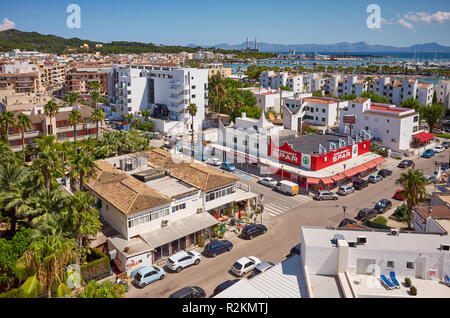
x=443 y=93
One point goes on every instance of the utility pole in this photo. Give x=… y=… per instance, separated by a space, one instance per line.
x=261 y=201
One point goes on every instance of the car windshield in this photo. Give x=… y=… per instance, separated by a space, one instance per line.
x=138 y=277
x=190 y=253
x=256 y=271
x=156 y=269
x=237 y=265
x=381 y=203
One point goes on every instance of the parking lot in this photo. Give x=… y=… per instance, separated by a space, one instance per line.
x=283 y=216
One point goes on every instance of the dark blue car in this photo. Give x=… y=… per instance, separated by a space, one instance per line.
x=428 y=153
x=217 y=247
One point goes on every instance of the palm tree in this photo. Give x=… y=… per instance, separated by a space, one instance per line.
x=94 y=98
x=75 y=119
x=413 y=183
x=44 y=202
x=71 y=98
x=44 y=261
x=146 y=113
x=23 y=123
x=192 y=109
x=128 y=117
x=49 y=164
x=221 y=93
x=97 y=116
x=82 y=166
x=94 y=86
x=7 y=119
x=50 y=110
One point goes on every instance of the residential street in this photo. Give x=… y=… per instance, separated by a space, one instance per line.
x=283 y=229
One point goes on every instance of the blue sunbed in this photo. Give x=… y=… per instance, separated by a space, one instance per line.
x=386 y=283
x=394 y=280
x=447 y=280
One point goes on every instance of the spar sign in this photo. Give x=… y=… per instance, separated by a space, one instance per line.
x=286 y=153
x=342 y=155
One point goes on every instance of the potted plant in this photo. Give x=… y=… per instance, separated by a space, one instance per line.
x=407 y=282
x=413 y=290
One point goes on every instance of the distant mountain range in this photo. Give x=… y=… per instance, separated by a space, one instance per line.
x=362 y=47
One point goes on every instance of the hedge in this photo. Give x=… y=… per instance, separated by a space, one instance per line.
x=445 y=136
x=98 y=268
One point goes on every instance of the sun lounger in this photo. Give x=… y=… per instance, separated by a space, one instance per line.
x=394 y=279
x=386 y=283
x=447 y=280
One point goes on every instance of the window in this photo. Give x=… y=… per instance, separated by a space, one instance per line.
x=390 y=264
x=324 y=111
x=323 y=119
x=193 y=96
x=235 y=140
x=193 y=86
x=410 y=265
x=216 y=194
x=179 y=207
x=416 y=119
x=257 y=146
x=245 y=142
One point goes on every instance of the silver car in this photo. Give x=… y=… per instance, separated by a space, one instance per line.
x=269 y=182
x=326 y=195
x=346 y=190
x=214 y=162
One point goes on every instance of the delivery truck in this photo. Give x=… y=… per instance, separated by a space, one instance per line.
x=287 y=187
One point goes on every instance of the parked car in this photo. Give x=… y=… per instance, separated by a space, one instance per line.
x=253 y=230
x=227 y=166
x=189 y=292
x=245 y=265
x=214 y=162
x=326 y=195
x=217 y=247
x=405 y=164
x=224 y=286
x=366 y=214
x=147 y=275
x=346 y=189
x=439 y=149
x=345 y=222
x=375 y=178
x=183 y=259
x=261 y=268
x=385 y=173
x=360 y=184
x=296 y=250
x=399 y=195
x=268 y=182
x=445 y=144
x=382 y=206
x=428 y=153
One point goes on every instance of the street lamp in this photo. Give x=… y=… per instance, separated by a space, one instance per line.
x=344 y=208
x=261 y=200
x=282 y=173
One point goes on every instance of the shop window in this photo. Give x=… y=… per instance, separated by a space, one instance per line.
x=157 y=254
x=192 y=239
x=165 y=250
x=410 y=265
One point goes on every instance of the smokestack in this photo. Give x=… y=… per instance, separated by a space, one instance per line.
x=256 y=44
x=247 y=43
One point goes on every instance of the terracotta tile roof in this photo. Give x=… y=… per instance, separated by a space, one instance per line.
x=425 y=85
x=437 y=212
x=361 y=100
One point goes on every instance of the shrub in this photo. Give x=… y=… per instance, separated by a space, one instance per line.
x=413 y=290
x=99 y=266
x=401 y=213
x=380 y=220
x=445 y=136
x=407 y=282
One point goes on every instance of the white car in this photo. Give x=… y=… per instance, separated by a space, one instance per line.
x=269 y=182
x=214 y=162
x=438 y=149
x=183 y=259
x=245 y=265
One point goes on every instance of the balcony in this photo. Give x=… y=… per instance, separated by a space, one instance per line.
x=28 y=134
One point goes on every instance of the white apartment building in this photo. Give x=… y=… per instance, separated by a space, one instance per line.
x=425 y=93
x=19 y=67
x=391 y=125
x=201 y=55
x=443 y=93
x=166 y=91
x=270 y=79
x=317 y=82
x=351 y=85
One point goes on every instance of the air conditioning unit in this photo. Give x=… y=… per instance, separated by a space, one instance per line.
x=164 y=223
x=361 y=240
x=395 y=232
x=445 y=247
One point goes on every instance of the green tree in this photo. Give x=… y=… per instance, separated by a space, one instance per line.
x=146 y=113
x=7 y=119
x=413 y=183
x=82 y=167
x=23 y=123
x=50 y=110
x=71 y=98
x=317 y=93
x=105 y=290
x=411 y=103
x=432 y=114
x=97 y=116
x=49 y=165
x=250 y=111
x=94 y=86
x=221 y=93
x=376 y=98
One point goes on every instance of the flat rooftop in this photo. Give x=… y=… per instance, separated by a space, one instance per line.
x=309 y=144
x=171 y=187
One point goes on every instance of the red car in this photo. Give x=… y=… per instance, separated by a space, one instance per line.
x=399 y=196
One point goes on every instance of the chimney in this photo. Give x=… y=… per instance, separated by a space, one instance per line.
x=247 y=43
x=256 y=44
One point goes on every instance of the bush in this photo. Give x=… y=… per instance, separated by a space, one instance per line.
x=407 y=282
x=401 y=213
x=413 y=290
x=380 y=220
x=444 y=136
x=96 y=268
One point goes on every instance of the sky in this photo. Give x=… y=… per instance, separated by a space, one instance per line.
x=209 y=22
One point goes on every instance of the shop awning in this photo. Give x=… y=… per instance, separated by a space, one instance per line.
x=327 y=181
x=313 y=181
x=354 y=171
x=371 y=164
x=424 y=137
x=379 y=161
x=338 y=177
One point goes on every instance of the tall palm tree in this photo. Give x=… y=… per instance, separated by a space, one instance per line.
x=75 y=119
x=7 y=119
x=23 y=123
x=50 y=110
x=192 y=109
x=413 y=183
x=97 y=116
x=71 y=98
x=44 y=202
x=49 y=164
x=82 y=166
x=94 y=98
x=44 y=262
x=221 y=93
x=94 y=86
x=128 y=117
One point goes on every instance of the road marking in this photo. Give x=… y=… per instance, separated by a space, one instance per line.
x=276 y=208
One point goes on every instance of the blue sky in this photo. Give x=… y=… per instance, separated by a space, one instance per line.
x=208 y=22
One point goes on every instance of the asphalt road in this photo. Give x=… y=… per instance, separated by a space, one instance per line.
x=283 y=233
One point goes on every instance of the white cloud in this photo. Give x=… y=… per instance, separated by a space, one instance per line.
x=438 y=17
x=384 y=21
x=7 y=24
x=406 y=24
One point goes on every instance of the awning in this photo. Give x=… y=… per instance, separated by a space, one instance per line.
x=242 y=195
x=354 y=171
x=370 y=164
x=379 y=161
x=338 y=177
x=424 y=137
x=327 y=181
x=313 y=181
x=178 y=229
